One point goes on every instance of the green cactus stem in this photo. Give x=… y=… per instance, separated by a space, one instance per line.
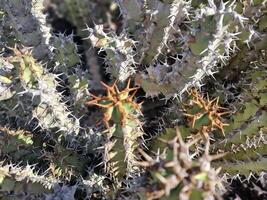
x=123 y=128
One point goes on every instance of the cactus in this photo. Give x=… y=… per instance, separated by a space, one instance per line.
x=65 y=52
x=244 y=137
x=120 y=54
x=186 y=72
x=24 y=18
x=177 y=174
x=198 y=66
x=60 y=164
x=243 y=142
x=34 y=83
x=123 y=128
x=17 y=146
x=10 y=174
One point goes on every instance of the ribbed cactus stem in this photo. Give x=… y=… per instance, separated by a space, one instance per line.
x=27 y=27
x=123 y=128
x=37 y=10
x=119 y=49
x=178 y=13
x=37 y=85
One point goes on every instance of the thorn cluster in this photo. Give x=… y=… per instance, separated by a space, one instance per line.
x=116 y=99
x=26 y=61
x=209 y=108
x=19 y=52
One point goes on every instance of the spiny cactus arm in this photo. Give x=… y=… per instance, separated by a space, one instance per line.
x=121 y=150
x=64 y=162
x=245 y=167
x=244 y=140
x=133 y=13
x=189 y=70
x=52 y=113
x=94 y=183
x=246 y=144
x=26 y=173
x=122 y=138
x=20 y=75
x=34 y=90
x=37 y=11
x=239 y=62
x=65 y=53
x=162 y=20
x=68 y=64
x=119 y=49
x=22 y=182
x=26 y=26
x=152 y=23
x=204 y=114
x=18 y=146
x=21 y=147
x=222 y=44
x=78 y=86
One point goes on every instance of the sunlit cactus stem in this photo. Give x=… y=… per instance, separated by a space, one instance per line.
x=123 y=127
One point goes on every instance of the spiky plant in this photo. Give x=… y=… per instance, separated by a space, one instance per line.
x=49 y=133
x=178 y=174
x=121 y=118
x=244 y=140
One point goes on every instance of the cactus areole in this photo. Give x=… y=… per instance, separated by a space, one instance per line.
x=117 y=103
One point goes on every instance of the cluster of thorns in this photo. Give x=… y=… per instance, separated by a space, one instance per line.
x=210 y=108
x=116 y=99
x=26 y=51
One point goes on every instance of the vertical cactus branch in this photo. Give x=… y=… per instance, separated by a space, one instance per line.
x=123 y=128
x=119 y=49
x=36 y=86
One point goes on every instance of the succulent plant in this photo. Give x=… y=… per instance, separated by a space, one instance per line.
x=243 y=142
x=198 y=66
x=123 y=128
x=177 y=173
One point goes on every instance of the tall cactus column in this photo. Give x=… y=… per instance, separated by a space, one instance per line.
x=123 y=128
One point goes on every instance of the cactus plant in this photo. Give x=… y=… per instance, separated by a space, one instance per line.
x=244 y=141
x=198 y=66
x=178 y=174
x=123 y=128
x=34 y=83
x=244 y=135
